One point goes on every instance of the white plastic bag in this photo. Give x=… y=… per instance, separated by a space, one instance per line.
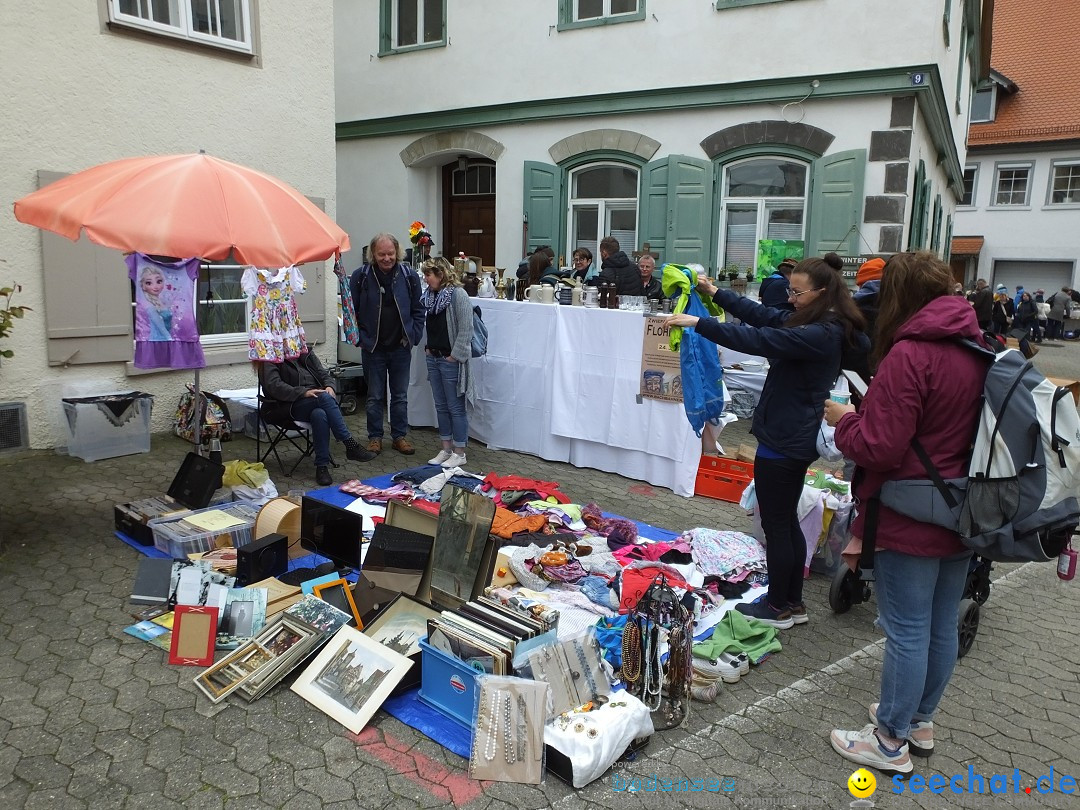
x=826 y=446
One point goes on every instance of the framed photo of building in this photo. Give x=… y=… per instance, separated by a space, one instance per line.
x=401 y=625
x=351 y=677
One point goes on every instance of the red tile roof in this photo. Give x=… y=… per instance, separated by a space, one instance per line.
x=1035 y=46
x=967 y=245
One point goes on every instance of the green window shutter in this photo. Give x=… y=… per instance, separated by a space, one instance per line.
x=836 y=203
x=653 y=206
x=542 y=201
x=935 y=231
x=920 y=205
x=689 y=205
x=946 y=249
x=386 y=40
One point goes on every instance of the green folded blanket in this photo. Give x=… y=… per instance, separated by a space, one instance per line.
x=737 y=633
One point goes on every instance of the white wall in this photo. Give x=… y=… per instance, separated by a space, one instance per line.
x=1037 y=231
x=76 y=94
x=377 y=192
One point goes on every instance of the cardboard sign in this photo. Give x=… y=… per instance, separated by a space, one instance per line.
x=661 y=376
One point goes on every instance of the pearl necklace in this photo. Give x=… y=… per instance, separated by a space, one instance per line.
x=489 y=742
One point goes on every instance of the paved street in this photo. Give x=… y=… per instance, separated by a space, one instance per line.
x=90 y=717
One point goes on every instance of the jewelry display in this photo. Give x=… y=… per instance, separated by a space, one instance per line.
x=574 y=670
x=631 y=653
x=510 y=715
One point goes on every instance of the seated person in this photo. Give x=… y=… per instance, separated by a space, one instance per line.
x=301 y=390
x=583 y=265
x=541 y=270
x=616 y=268
x=523 y=265
x=646 y=265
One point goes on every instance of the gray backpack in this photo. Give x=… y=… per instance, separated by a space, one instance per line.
x=1019 y=501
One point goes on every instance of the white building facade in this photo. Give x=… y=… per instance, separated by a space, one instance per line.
x=85 y=83
x=696 y=127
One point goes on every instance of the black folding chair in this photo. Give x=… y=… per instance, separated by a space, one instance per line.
x=280 y=433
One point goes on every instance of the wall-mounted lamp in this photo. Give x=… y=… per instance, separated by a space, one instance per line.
x=462 y=163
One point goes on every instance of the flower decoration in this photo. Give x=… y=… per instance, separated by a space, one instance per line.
x=419 y=234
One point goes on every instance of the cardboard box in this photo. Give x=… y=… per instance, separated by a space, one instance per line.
x=746 y=453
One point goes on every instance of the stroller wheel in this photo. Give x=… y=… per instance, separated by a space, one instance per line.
x=842 y=593
x=967 y=626
x=349 y=404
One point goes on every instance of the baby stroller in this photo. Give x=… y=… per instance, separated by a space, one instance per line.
x=849 y=588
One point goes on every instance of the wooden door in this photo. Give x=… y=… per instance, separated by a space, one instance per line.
x=469 y=220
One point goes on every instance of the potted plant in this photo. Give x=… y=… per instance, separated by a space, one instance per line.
x=732 y=272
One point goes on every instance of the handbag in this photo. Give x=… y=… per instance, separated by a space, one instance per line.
x=214 y=421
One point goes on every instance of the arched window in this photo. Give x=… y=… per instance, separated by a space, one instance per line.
x=764 y=198
x=603 y=202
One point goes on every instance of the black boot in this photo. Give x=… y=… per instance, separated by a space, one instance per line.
x=322 y=476
x=354 y=452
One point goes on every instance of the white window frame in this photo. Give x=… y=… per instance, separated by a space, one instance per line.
x=1054 y=166
x=1013 y=166
x=605 y=14
x=228 y=339
x=604 y=207
x=183 y=27
x=993 y=105
x=974 y=185
x=762 y=203
x=420 y=41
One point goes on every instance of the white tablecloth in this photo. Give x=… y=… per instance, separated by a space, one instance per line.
x=562 y=383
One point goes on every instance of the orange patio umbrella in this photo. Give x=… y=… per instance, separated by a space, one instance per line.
x=186 y=205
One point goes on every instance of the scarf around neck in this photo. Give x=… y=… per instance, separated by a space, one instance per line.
x=436 y=302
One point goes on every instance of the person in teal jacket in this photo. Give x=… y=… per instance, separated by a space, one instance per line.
x=805 y=348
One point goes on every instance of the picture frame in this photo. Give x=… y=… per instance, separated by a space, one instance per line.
x=351 y=677
x=290 y=641
x=193 y=636
x=226 y=675
x=322 y=615
x=339 y=594
x=401 y=625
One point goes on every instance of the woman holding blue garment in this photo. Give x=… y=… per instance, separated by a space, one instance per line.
x=805 y=348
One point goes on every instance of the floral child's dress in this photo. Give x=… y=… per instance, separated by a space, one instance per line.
x=275 y=333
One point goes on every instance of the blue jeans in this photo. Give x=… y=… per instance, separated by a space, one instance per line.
x=449 y=404
x=325 y=417
x=378 y=366
x=778 y=485
x=918 y=601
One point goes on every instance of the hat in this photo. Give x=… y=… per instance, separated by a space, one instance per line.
x=869 y=271
x=1001 y=288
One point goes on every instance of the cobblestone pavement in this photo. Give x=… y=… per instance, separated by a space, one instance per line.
x=90 y=717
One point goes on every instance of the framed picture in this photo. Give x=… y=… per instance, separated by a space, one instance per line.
x=351 y=677
x=243 y=617
x=289 y=641
x=339 y=594
x=193 y=636
x=322 y=615
x=232 y=670
x=401 y=625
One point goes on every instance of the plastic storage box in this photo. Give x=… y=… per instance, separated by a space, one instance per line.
x=723 y=478
x=178 y=537
x=447 y=684
x=108 y=426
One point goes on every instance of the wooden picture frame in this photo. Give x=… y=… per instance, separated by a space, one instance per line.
x=339 y=594
x=193 y=636
x=256 y=659
x=351 y=677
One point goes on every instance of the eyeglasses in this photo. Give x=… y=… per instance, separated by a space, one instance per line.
x=795 y=294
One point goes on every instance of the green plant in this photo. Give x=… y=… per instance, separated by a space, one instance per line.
x=8 y=314
x=732 y=271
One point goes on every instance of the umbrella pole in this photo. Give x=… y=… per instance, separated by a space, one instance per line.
x=196 y=433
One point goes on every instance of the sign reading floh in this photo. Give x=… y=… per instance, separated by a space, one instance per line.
x=661 y=375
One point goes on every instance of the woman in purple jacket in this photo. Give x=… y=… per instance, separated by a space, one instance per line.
x=927 y=387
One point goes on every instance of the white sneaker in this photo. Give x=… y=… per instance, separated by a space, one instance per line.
x=454 y=460
x=439 y=459
x=740 y=660
x=711 y=669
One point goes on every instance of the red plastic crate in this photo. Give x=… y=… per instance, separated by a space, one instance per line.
x=723 y=478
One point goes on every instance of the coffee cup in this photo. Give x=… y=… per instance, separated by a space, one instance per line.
x=843 y=397
x=547 y=294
